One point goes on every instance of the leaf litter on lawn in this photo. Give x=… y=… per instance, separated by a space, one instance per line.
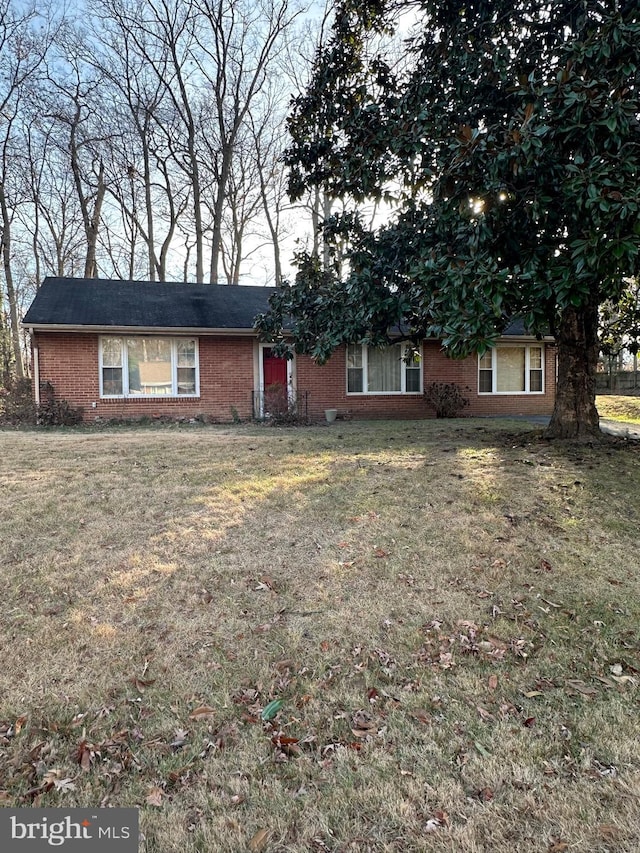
x=475 y=649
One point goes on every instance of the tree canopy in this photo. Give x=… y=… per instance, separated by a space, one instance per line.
x=505 y=142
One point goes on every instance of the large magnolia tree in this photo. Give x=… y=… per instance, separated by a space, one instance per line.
x=506 y=142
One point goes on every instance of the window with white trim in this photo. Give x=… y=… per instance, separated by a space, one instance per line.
x=511 y=369
x=149 y=367
x=387 y=370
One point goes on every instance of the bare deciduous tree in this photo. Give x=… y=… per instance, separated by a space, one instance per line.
x=25 y=38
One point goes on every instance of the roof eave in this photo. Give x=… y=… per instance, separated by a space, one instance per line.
x=544 y=339
x=130 y=330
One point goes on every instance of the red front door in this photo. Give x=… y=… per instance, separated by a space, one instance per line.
x=274 y=369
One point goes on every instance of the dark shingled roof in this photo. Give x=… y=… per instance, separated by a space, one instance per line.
x=104 y=303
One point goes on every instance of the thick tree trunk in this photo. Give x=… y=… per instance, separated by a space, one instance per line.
x=148 y=203
x=575 y=415
x=14 y=319
x=92 y=226
x=218 y=210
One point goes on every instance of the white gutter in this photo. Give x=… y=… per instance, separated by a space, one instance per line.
x=141 y=330
x=36 y=371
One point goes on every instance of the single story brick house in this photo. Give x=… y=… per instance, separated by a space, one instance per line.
x=127 y=349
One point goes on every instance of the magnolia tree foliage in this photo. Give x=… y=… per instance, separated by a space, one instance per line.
x=506 y=142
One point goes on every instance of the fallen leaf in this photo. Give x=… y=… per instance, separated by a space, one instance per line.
x=623 y=679
x=557 y=846
x=421 y=715
x=380 y=552
x=495 y=641
x=439 y=819
x=84 y=755
x=531 y=693
x=203 y=712
x=493 y=682
x=180 y=738
x=176 y=775
x=141 y=684
x=259 y=841
x=270 y=710
x=284 y=740
x=362 y=724
x=484 y=714
x=485 y=795
x=19 y=723
x=54 y=778
x=606 y=681
x=576 y=686
x=64 y=785
x=154 y=796
x=85 y=760
x=288 y=745
x=529 y=722
x=546 y=566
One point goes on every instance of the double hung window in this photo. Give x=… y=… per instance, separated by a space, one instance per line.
x=148 y=367
x=388 y=370
x=511 y=369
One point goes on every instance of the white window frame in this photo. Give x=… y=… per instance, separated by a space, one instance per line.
x=365 y=367
x=125 y=368
x=527 y=369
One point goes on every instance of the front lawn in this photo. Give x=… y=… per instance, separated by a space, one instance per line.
x=449 y=612
x=619 y=408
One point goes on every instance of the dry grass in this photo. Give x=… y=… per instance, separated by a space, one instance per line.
x=449 y=611
x=619 y=408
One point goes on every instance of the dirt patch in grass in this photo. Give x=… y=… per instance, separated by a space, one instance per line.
x=448 y=611
x=619 y=408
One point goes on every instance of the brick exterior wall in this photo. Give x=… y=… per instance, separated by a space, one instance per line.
x=228 y=371
x=70 y=362
x=327 y=389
